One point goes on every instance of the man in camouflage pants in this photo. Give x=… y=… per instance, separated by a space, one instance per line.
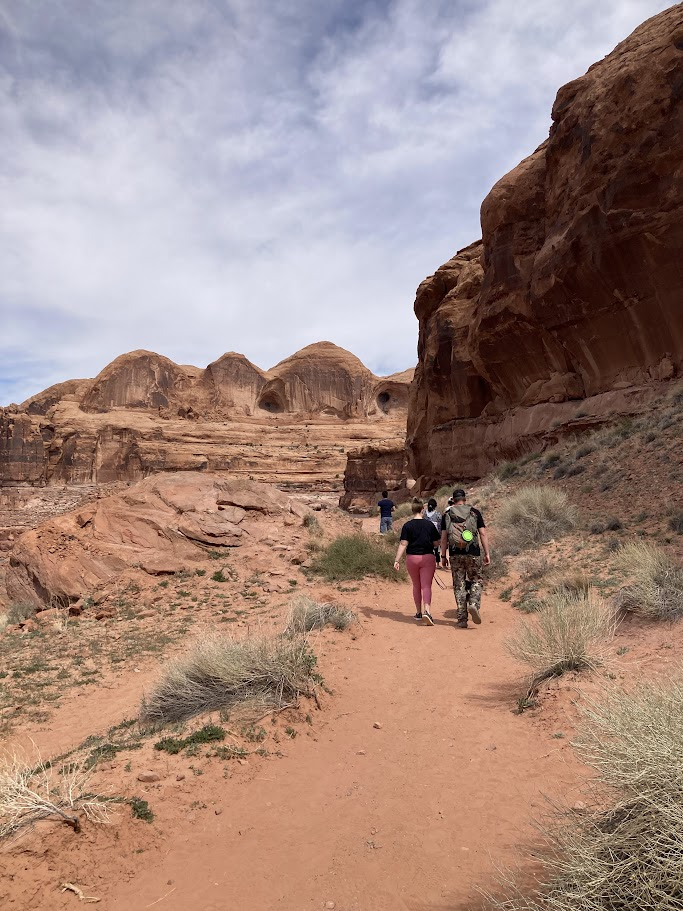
x=466 y=566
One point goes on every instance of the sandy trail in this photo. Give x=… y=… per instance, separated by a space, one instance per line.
x=402 y=817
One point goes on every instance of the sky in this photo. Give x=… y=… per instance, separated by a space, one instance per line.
x=201 y=176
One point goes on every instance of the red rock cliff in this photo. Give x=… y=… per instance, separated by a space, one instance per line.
x=574 y=294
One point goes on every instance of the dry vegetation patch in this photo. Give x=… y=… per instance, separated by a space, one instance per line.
x=534 y=515
x=656 y=587
x=31 y=790
x=307 y=615
x=568 y=633
x=624 y=851
x=220 y=672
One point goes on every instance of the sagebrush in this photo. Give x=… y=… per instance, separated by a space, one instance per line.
x=220 y=672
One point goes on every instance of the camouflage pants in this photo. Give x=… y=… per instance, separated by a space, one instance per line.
x=468 y=583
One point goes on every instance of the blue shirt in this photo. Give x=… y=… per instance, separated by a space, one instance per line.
x=385 y=507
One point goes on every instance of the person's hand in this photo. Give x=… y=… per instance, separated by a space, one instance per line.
x=397 y=566
x=444 y=562
x=487 y=559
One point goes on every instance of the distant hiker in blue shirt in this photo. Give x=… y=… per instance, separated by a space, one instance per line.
x=386 y=507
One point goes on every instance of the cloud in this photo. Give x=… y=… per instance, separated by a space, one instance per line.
x=255 y=175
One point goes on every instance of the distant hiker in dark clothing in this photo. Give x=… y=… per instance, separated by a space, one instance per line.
x=418 y=537
x=432 y=513
x=463 y=537
x=386 y=507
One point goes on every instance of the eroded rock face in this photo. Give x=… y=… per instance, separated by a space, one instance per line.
x=163 y=523
x=574 y=295
x=144 y=414
x=371 y=469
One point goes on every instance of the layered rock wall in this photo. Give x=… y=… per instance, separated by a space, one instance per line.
x=371 y=469
x=144 y=414
x=572 y=301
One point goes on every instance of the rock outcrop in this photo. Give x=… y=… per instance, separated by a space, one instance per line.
x=144 y=414
x=570 y=305
x=371 y=469
x=161 y=524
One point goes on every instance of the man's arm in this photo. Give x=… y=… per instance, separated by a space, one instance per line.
x=444 y=547
x=484 y=538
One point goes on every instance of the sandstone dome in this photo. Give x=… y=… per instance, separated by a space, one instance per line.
x=233 y=382
x=139 y=379
x=320 y=378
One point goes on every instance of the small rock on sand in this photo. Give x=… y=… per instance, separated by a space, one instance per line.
x=377 y=725
x=148 y=777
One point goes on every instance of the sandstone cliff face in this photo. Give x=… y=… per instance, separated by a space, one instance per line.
x=371 y=469
x=145 y=414
x=572 y=300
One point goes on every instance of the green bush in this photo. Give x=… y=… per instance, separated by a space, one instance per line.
x=354 y=557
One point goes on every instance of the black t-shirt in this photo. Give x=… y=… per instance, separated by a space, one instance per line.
x=385 y=507
x=421 y=535
x=473 y=550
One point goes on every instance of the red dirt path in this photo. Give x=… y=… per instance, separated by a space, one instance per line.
x=442 y=791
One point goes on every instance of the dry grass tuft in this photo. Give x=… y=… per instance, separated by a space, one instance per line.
x=656 y=589
x=534 y=515
x=624 y=852
x=307 y=615
x=221 y=672
x=566 y=634
x=34 y=790
x=356 y=556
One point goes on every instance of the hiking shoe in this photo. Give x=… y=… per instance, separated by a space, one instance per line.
x=418 y=616
x=461 y=624
x=474 y=614
x=427 y=618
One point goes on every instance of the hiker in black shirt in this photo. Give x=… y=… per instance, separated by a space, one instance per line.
x=418 y=537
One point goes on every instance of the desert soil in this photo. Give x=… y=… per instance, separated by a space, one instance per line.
x=412 y=813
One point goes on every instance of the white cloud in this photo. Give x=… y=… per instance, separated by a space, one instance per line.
x=253 y=174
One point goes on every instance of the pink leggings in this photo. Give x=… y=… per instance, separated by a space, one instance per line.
x=421 y=569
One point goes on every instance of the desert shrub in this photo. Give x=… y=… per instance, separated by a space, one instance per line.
x=403 y=511
x=575 y=470
x=598 y=527
x=507 y=470
x=584 y=450
x=550 y=459
x=210 y=733
x=561 y=471
x=575 y=584
x=220 y=672
x=676 y=523
x=307 y=615
x=17 y=612
x=528 y=603
x=354 y=557
x=656 y=589
x=31 y=790
x=311 y=522
x=535 y=514
x=531 y=568
x=613 y=524
x=140 y=809
x=623 y=851
x=566 y=634
x=506 y=594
